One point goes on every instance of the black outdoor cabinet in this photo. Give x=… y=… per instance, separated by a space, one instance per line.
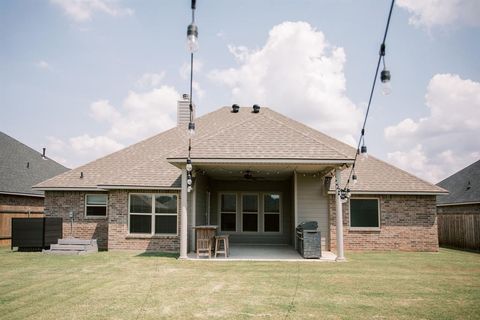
x=35 y=233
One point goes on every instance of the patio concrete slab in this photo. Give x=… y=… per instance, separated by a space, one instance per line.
x=264 y=253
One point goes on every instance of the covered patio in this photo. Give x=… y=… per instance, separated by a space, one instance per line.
x=244 y=252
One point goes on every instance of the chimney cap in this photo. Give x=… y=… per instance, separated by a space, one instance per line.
x=256 y=108
x=235 y=108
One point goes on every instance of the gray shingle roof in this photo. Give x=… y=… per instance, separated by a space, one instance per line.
x=464 y=186
x=21 y=167
x=226 y=135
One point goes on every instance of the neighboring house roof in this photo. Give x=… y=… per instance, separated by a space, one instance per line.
x=222 y=135
x=463 y=186
x=21 y=167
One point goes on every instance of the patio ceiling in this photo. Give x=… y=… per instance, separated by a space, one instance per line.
x=258 y=172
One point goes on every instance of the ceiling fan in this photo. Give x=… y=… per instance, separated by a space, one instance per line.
x=248 y=175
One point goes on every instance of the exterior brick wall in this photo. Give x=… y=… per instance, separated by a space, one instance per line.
x=60 y=203
x=118 y=237
x=15 y=200
x=112 y=232
x=407 y=223
x=459 y=209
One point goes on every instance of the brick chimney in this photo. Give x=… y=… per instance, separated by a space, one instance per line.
x=183 y=111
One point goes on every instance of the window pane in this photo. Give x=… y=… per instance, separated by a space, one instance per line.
x=140 y=224
x=96 y=211
x=250 y=203
x=166 y=224
x=166 y=204
x=140 y=203
x=364 y=213
x=229 y=203
x=250 y=222
x=229 y=222
x=97 y=199
x=272 y=222
x=271 y=202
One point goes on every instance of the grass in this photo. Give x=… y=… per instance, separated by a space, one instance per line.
x=126 y=285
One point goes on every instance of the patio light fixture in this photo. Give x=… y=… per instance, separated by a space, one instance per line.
x=385 y=74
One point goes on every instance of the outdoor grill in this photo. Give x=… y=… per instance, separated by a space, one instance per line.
x=309 y=240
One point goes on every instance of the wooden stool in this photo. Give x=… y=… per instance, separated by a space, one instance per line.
x=226 y=245
x=204 y=248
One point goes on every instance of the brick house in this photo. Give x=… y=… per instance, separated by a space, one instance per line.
x=256 y=176
x=20 y=168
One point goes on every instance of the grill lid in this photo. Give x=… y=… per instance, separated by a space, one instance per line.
x=308 y=225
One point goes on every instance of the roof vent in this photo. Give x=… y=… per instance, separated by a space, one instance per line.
x=256 y=108
x=235 y=108
x=44 y=157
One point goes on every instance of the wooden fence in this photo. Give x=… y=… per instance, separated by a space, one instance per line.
x=459 y=230
x=9 y=212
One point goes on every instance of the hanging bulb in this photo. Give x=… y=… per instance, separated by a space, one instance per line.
x=189 y=165
x=363 y=152
x=349 y=194
x=191 y=128
x=192 y=38
x=354 y=179
x=189 y=188
x=386 y=85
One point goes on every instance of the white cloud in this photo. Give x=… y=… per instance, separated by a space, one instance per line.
x=430 y=13
x=446 y=140
x=82 y=10
x=184 y=72
x=141 y=115
x=42 y=64
x=150 y=80
x=298 y=73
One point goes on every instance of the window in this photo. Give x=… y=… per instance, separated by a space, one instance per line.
x=271 y=212
x=364 y=213
x=153 y=213
x=250 y=212
x=96 y=205
x=228 y=212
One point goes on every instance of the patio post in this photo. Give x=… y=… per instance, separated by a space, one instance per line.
x=183 y=217
x=339 y=217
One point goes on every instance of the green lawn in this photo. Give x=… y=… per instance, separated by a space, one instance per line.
x=126 y=285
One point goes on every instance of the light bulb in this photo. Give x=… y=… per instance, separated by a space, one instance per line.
x=386 y=85
x=192 y=38
x=354 y=179
x=189 y=189
x=189 y=165
x=191 y=128
x=363 y=152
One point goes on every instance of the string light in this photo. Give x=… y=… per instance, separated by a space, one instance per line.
x=192 y=46
x=385 y=79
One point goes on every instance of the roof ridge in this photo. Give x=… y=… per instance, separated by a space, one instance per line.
x=461 y=170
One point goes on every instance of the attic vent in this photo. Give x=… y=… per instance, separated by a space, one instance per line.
x=44 y=157
x=256 y=108
x=235 y=108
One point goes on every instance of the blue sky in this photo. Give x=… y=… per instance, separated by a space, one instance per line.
x=85 y=78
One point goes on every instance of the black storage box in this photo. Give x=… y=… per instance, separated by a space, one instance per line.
x=35 y=234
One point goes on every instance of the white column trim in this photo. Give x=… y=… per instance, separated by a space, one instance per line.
x=339 y=215
x=183 y=217
x=194 y=218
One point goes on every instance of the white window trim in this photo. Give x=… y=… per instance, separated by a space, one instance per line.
x=364 y=228
x=280 y=231
x=220 y=194
x=153 y=214
x=242 y=212
x=90 y=205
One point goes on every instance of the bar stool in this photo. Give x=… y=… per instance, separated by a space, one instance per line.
x=226 y=245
